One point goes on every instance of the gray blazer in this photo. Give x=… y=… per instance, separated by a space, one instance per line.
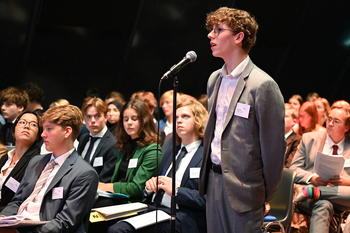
x=304 y=159
x=252 y=150
x=79 y=181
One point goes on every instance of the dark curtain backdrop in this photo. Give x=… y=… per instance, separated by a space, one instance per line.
x=68 y=46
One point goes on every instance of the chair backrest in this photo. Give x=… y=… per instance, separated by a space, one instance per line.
x=282 y=203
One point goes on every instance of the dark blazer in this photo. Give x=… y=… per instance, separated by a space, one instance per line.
x=106 y=149
x=293 y=141
x=79 y=182
x=252 y=148
x=17 y=173
x=192 y=208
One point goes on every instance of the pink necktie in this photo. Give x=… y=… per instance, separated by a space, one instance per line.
x=39 y=185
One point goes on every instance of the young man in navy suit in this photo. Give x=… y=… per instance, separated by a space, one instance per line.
x=190 y=212
x=99 y=146
x=58 y=187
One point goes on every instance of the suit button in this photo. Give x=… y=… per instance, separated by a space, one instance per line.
x=224 y=149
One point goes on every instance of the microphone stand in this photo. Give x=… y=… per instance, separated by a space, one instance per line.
x=173 y=197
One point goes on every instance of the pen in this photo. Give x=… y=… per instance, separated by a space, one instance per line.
x=164 y=173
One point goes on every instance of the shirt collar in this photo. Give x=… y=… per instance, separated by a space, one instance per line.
x=101 y=133
x=192 y=146
x=330 y=142
x=237 y=71
x=60 y=159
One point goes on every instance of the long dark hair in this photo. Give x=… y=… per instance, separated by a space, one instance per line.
x=147 y=132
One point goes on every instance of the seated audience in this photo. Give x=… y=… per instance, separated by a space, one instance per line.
x=323 y=108
x=190 y=212
x=36 y=97
x=312 y=96
x=203 y=99
x=316 y=195
x=69 y=188
x=3 y=148
x=13 y=101
x=296 y=101
x=59 y=102
x=115 y=96
x=293 y=139
x=308 y=119
x=166 y=103
x=26 y=132
x=137 y=158
x=98 y=147
x=113 y=115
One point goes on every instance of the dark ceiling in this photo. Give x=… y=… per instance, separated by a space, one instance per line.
x=67 y=47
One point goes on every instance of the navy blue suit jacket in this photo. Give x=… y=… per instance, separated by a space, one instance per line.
x=191 y=212
x=106 y=149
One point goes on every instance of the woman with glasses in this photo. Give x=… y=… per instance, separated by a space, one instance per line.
x=26 y=132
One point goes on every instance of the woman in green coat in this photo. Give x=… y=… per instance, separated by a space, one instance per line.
x=137 y=159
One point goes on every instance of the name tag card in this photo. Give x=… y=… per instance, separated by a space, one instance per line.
x=194 y=172
x=242 y=110
x=98 y=162
x=133 y=163
x=57 y=193
x=12 y=184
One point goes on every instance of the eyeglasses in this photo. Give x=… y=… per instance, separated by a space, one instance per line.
x=335 y=121
x=218 y=30
x=32 y=124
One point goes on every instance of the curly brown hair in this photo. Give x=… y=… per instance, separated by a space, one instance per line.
x=238 y=21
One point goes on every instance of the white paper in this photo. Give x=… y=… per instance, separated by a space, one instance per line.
x=18 y=221
x=242 y=110
x=115 y=211
x=98 y=162
x=12 y=184
x=147 y=219
x=327 y=166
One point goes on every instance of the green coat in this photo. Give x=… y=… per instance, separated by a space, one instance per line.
x=136 y=177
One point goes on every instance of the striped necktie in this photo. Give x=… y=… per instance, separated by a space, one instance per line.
x=39 y=185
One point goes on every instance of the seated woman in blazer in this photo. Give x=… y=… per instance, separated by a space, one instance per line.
x=137 y=159
x=26 y=132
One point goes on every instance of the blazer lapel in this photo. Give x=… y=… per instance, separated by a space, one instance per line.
x=99 y=147
x=238 y=92
x=137 y=154
x=195 y=161
x=65 y=167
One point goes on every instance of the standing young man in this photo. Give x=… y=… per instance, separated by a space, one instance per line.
x=58 y=187
x=244 y=137
x=99 y=146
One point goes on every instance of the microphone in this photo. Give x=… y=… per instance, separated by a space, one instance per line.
x=191 y=56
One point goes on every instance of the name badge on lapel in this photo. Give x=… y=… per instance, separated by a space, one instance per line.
x=98 y=162
x=133 y=163
x=12 y=184
x=57 y=193
x=194 y=172
x=242 y=110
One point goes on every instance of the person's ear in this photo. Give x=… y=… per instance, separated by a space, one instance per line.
x=68 y=131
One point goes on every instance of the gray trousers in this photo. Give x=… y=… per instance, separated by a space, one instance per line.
x=321 y=211
x=220 y=215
